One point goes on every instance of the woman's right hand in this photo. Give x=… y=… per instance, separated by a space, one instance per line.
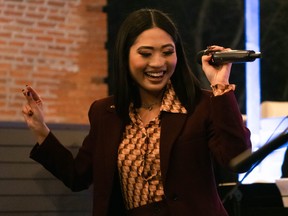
x=216 y=74
x=33 y=114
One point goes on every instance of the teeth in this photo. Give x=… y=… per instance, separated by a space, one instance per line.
x=155 y=74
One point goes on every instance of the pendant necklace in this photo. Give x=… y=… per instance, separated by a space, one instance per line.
x=148 y=106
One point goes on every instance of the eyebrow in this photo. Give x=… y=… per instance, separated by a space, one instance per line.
x=150 y=47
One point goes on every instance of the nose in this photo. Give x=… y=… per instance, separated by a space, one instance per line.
x=157 y=60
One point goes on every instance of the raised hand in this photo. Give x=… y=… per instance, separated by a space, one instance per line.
x=216 y=74
x=33 y=114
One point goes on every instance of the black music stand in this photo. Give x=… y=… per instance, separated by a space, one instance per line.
x=258 y=198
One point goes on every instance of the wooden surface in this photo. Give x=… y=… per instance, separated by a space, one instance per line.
x=26 y=188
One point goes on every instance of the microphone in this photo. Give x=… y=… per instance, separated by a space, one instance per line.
x=230 y=56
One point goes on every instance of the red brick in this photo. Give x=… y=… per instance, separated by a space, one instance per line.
x=56 y=18
x=35 y=15
x=45 y=24
x=35 y=2
x=64 y=41
x=56 y=3
x=5 y=34
x=5 y=66
x=23 y=36
x=5 y=19
x=12 y=13
x=30 y=52
x=17 y=43
x=44 y=38
x=34 y=31
x=56 y=33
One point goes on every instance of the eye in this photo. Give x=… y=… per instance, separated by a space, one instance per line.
x=168 y=52
x=145 y=54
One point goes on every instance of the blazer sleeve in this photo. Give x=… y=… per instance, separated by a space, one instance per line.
x=75 y=173
x=228 y=134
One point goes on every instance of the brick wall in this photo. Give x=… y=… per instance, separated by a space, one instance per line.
x=57 y=47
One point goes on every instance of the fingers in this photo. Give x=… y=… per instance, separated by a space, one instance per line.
x=208 y=53
x=27 y=111
x=34 y=103
x=31 y=95
x=215 y=48
x=215 y=73
x=34 y=94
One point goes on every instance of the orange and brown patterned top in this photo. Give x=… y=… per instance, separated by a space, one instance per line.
x=139 y=155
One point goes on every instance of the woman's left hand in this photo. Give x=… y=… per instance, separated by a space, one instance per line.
x=216 y=74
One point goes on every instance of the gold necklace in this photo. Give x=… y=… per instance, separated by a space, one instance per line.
x=148 y=106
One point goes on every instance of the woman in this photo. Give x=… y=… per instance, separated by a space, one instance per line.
x=163 y=129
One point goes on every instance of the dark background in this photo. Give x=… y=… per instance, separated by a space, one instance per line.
x=221 y=22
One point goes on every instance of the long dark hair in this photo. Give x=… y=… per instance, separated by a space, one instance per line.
x=184 y=82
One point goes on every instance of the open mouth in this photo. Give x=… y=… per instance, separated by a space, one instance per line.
x=156 y=75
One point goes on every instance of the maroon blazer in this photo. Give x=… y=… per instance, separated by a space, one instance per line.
x=186 y=144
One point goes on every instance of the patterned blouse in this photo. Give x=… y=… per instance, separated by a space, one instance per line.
x=139 y=155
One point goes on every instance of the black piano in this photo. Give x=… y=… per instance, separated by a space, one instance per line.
x=257 y=199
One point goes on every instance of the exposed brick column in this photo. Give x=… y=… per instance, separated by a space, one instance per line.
x=58 y=47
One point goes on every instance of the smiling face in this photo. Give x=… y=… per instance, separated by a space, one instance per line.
x=152 y=60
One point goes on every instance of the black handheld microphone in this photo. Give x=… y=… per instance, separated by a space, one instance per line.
x=230 y=56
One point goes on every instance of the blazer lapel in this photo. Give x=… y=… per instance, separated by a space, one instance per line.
x=171 y=126
x=111 y=139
